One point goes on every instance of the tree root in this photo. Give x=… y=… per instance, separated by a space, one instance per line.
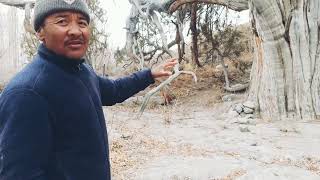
x=237 y=87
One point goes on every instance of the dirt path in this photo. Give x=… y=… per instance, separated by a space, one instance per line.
x=199 y=142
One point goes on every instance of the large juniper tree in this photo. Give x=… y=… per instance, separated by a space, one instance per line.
x=285 y=78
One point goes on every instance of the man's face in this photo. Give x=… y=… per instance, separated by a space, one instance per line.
x=66 y=33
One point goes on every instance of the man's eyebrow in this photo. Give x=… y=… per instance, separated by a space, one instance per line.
x=82 y=18
x=60 y=15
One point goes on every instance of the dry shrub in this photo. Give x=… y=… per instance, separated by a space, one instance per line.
x=208 y=78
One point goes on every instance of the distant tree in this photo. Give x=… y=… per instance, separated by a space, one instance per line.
x=98 y=48
x=147 y=31
x=222 y=39
x=195 y=33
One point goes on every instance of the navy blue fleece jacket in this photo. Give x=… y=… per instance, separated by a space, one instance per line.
x=52 y=125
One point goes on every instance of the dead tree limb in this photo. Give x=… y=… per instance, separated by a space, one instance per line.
x=141 y=57
x=225 y=71
x=237 y=5
x=228 y=87
x=237 y=87
x=145 y=9
x=17 y=3
x=147 y=97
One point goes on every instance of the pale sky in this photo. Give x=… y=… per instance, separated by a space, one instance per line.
x=117 y=13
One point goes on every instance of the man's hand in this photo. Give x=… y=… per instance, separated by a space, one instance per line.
x=164 y=69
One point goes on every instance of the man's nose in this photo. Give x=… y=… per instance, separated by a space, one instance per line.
x=74 y=29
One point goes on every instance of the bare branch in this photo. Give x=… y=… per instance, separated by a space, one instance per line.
x=17 y=3
x=141 y=58
x=145 y=10
x=147 y=97
x=237 y=5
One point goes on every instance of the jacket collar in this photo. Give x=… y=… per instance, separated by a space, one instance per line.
x=59 y=60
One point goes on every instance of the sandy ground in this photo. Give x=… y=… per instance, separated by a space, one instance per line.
x=192 y=140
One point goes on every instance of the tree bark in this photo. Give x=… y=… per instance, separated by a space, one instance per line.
x=286 y=71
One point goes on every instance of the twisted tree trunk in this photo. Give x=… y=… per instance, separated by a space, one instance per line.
x=286 y=71
x=285 y=78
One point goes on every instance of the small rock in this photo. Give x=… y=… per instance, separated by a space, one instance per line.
x=126 y=137
x=244 y=129
x=289 y=129
x=228 y=97
x=248 y=110
x=246 y=121
x=238 y=108
x=243 y=115
x=253 y=121
x=249 y=116
x=220 y=67
x=254 y=144
x=249 y=104
x=284 y=130
x=232 y=120
x=232 y=114
x=243 y=121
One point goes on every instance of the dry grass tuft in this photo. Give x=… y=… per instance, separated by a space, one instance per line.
x=235 y=174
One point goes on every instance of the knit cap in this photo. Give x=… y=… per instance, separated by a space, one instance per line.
x=44 y=8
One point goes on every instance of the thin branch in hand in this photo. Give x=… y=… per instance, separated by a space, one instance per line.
x=177 y=72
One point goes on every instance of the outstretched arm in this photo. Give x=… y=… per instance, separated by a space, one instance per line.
x=117 y=91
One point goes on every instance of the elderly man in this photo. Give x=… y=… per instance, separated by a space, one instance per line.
x=52 y=125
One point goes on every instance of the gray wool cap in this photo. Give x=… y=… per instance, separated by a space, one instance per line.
x=44 y=8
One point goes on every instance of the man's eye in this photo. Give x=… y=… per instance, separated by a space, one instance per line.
x=62 y=22
x=83 y=24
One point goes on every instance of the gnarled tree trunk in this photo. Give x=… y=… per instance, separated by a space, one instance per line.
x=285 y=78
x=285 y=75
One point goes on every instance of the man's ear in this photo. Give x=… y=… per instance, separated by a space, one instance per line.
x=40 y=34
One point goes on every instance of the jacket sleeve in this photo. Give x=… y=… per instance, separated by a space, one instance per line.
x=25 y=136
x=117 y=91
